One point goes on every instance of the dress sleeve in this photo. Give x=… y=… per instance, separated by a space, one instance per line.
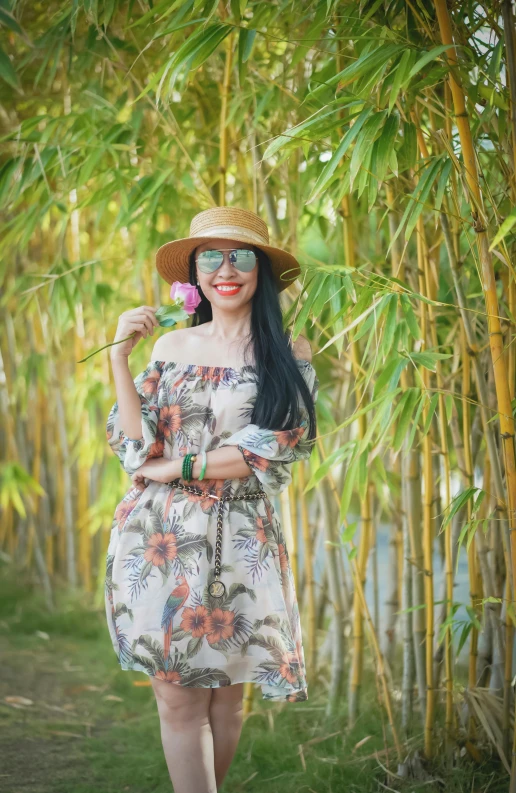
x=269 y=453
x=133 y=453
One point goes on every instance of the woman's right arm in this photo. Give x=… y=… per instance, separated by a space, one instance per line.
x=140 y=321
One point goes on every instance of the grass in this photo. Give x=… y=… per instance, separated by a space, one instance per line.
x=85 y=726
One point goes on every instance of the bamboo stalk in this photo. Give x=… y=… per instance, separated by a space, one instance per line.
x=294 y=556
x=407 y=684
x=248 y=697
x=338 y=649
x=428 y=547
x=223 y=134
x=472 y=549
x=308 y=552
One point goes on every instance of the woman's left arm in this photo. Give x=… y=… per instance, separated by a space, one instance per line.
x=223 y=463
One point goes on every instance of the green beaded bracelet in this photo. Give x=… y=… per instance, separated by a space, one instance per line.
x=183 y=467
x=187 y=466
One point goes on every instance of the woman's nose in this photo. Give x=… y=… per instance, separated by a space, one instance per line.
x=226 y=265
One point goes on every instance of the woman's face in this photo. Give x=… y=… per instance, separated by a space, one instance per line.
x=216 y=286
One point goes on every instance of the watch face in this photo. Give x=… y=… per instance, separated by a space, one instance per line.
x=217 y=589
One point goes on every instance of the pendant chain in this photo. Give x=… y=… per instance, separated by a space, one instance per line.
x=217 y=588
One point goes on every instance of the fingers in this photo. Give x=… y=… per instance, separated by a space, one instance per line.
x=138 y=482
x=142 y=319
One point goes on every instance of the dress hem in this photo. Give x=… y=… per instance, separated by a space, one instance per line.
x=290 y=695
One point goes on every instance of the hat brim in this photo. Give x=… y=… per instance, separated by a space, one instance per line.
x=172 y=259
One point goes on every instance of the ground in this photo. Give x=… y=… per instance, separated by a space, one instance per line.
x=72 y=722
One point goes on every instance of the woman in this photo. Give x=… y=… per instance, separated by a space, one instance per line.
x=199 y=590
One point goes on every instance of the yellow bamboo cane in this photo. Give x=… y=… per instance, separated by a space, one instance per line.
x=294 y=554
x=491 y=299
x=472 y=550
x=358 y=587
x=309 y=574
x=223 y=156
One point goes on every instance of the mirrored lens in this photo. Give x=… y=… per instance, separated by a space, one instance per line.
x=243 y=259
x=209 y=261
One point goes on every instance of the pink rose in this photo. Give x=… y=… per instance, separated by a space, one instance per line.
x=188 y=293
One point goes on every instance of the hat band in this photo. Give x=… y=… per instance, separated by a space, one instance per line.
x=227 y=231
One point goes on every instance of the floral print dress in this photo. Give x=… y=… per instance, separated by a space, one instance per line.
x=160 y=560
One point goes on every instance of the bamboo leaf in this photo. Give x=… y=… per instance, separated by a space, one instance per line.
x=339 y=153
x=347 y=490
x=7 y=71
x=363 y=65
x=364 y=142
x=504 y=229
x=402 y=69
x=409 y=402
x=385 y=146
x=427 y=57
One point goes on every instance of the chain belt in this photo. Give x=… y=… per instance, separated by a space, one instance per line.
x=217 y=588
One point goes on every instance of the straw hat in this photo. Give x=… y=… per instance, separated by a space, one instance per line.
x=230 y=223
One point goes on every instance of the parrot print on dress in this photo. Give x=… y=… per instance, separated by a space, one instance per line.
x=175 y=602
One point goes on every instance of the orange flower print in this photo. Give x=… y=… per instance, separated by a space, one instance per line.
x=289 y=437
x=195 y=621
x=287 y=667
x=260 y=533
x=169 y=420
x=157 y=448
x=160 y=548
x=255 y=460
x=220 y=625
x=207 y=486
x=295 y=697
x=124 y=509
x=213 y=374
x=283 y=557
x=150 y=384
x=169 y=677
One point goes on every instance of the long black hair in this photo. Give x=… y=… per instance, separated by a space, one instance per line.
x=279 y=379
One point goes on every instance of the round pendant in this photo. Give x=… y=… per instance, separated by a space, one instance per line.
x=216 y=589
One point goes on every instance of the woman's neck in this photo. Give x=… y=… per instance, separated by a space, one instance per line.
x=229 y=326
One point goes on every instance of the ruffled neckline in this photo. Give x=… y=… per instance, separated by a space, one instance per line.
x=204 y=368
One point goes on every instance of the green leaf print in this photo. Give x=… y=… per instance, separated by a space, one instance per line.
x=194 y=645
x=145 y=662
x=239 y=589
x=179 y=634
x=120 y=609
x=205 y=678
x=146 y=570
x=272 y=621
x=273 y=645
x=154 y=649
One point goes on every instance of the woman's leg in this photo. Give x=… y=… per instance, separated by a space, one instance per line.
x=186 y=736
x=226 y=717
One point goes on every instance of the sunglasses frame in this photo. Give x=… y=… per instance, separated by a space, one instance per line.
x=222 y=250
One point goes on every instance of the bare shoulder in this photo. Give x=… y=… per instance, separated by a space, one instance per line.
x=171 y=346
x=301 y=349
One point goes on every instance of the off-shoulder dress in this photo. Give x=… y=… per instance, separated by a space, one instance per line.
x=161 y=618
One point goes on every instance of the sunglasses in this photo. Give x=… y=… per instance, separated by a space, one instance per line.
x=241 y=258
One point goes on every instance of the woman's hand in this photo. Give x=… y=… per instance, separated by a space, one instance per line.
x=158 y=469
x=139 y=481
x=140 y=321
